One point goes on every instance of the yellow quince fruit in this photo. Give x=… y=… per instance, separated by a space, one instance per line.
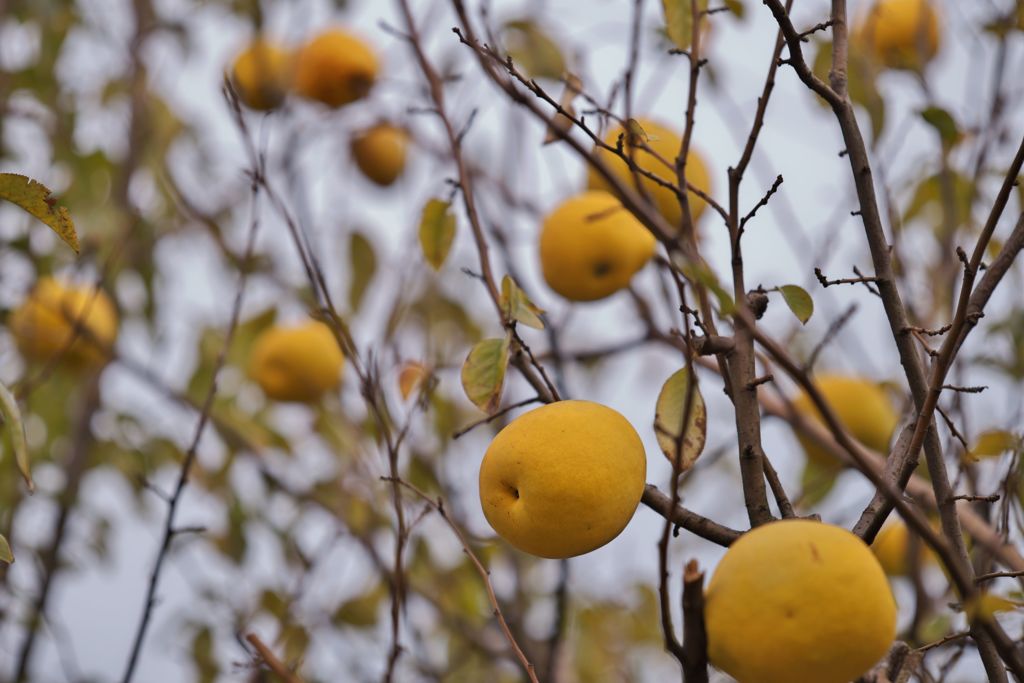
x=563 y=479
x=591 y=246
x=335 y=68
x=798 y=601
x=665 y=143
x=58 y=319
x=299 y=363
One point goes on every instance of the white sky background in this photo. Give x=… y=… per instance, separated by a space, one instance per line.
x=97 y=607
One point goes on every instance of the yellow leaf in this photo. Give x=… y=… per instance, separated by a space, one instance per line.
x=37 y=199
x=987 y=605
x=410 y=377
x=679 y=21
x=994 y=442
x=635 y=134
x=677 y=443
x=533 y=49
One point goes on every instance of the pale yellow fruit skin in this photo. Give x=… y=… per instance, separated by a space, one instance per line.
x=901 y=34
x=591 y=246
x=563 y=479
x=298 y=363
x=380 y=153
x=44 y=324
x=798 y=601
x=862 y=406
x=666 y=144
x=891 y=549
x=262 y=75
x=335 y=68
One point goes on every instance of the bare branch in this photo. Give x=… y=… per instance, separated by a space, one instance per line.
x=691 y=521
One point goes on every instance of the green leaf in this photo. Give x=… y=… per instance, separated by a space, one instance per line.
x=936 y=627
x=363 y=610
x=37 y=199
x=296 y=642
x=483 y=373
x=437 y=232
x=420 y=473
x=363 y=263
x=943 y=122
x=927 y=201
x=275 y=604
x=533 y=49
x=5 y=551
x=817 y=480
x=684 y=445
x=12 y=417
x=799 y=301
x=701 y=273
x=860 y=82
x=517 y=306
x=203 y=655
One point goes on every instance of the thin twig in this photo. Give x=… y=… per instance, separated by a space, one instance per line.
x=833 y=329
x=504 y=411
x=981 y=578
x=268 y=657
x=762 y=202
x=825 y=282
x=438 y=506
x=190 y=454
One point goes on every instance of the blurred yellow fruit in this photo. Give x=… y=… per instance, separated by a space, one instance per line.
x=891 y=547
x=591 y=246
x=798 y=601
x=901 y=34
x=666 y=144
x=380 y=152
x=564 y=479
x=44 y=326
x=335 y=68
x=262 y=75
x=298 y=363
x=863 y=408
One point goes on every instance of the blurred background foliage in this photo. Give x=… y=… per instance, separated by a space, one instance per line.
x=115 y=106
